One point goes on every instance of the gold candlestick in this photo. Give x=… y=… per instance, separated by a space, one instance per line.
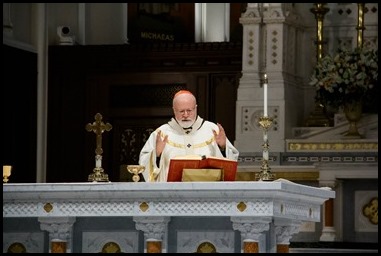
x=319 y=10
x=318 y=117
x=265 y=173
x=360 y=25
x=6 y=172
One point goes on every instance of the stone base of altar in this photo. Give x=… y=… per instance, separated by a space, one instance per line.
x=221 y=217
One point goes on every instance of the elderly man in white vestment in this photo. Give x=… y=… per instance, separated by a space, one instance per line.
x=185 y=134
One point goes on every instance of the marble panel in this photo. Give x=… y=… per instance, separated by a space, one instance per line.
x=110 y=242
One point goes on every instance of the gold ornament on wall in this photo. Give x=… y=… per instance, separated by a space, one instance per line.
x=370 y=211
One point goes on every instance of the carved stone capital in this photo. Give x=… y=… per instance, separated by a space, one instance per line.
x=153 y=227
x=58 y=227
x=284 y=231
x=251 y=228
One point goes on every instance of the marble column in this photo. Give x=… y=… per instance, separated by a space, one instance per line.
x=329 y=231
x=253 y=233
x=60 y=231
x=249 y=100
x=284 y=230
x=155 y=233
x=271 y=38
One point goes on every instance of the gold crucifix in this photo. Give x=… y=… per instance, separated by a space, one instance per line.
x=98 y=127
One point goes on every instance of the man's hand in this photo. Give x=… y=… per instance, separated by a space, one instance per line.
x=160 y=143
x=220 y=137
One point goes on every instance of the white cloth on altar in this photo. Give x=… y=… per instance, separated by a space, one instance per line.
x=198 y=141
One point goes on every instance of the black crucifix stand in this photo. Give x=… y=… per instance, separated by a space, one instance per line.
x=98 y=127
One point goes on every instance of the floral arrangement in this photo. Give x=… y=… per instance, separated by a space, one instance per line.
x=346 y=77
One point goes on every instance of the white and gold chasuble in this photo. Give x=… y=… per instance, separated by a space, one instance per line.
x=196 y=141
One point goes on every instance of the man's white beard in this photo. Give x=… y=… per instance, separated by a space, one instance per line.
x=186 y=124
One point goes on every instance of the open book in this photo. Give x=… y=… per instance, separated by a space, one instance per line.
x=179 y=163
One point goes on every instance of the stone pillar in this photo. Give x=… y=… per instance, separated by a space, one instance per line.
x=329 y=231
x=249 y=100
x=282 y=35
x=60 y=231
x=284 y=230
x=155 y=233
x=253 y=233
x=270 y=45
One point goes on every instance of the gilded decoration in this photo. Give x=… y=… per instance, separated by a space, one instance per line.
x=370 y=211
x=144 y=206
x=304 y=175
x=48 y=207
x=16 y=248
x=337 y=146
x=241 y=206
x=111 y=247
x=206 y=247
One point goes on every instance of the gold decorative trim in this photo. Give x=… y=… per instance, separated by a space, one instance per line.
x=206 y=247
x=241 y=206
x=370 y=210
x=48 y=207
x=17 y=248
x=144 y=206
x=310 y=176
x=200 y=145
x=111 y=247
x=335 y=146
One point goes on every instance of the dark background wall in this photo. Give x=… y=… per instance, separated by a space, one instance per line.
x=19 y=108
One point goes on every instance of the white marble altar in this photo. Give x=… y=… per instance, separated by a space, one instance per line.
x=266 y=212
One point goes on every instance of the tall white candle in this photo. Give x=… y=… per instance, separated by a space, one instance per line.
x=265 y=96
x=98 y=161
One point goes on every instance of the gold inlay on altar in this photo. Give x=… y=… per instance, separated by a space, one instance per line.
x=48 y=207
x=144 y=206
x=241 y=206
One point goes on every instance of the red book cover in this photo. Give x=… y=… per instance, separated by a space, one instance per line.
x=177 y=165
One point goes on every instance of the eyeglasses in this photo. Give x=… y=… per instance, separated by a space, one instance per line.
x=186 y=111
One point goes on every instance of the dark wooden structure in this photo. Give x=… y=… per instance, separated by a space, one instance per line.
x=132 y=87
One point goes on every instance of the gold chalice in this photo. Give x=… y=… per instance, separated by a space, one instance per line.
x=135 y=170
x=6 y=172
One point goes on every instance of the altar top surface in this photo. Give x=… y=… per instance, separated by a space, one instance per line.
x=170 y=189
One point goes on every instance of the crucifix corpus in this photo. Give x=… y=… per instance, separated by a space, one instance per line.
x=98 y=127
